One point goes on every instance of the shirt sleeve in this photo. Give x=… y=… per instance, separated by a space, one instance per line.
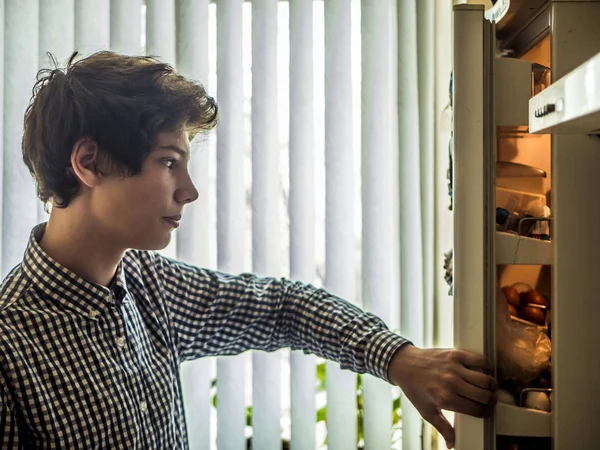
x=214 y=313
x=8 y=424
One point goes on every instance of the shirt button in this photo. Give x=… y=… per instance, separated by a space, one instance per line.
x=121 y=341
x=94 y=314
x=143 y=407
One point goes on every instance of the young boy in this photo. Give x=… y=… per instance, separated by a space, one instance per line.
x=94 y=325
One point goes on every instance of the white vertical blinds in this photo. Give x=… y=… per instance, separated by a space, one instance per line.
x=426 y=78
x=192 y=42
x=398 y=91
x=126 y=26
x=411 y=241
x=92 y=26
x=443 y=314
x=266 y=248
x=160 y=29
x=443 y=326
x=426 y=86
x=2 y=83
x=56 y=31
x=340 y=242
x=301 y=208
x=194 y=233
x=19 y=204
x=231 y=195
x=380 y=242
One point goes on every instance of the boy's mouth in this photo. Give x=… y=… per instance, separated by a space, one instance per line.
x=173 y=220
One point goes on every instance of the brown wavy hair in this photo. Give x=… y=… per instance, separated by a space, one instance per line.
x=120 y=102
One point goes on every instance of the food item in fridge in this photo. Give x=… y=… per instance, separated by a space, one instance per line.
x=523 y=351
x=534 y=298
x=506 y=397
x=533 y=306
x=537 y=400
x=540 y=228
x=527 y=304
x=512 y=296
x=533 y=314
x=544 y=381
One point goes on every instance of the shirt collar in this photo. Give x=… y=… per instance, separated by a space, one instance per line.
x=65 y=287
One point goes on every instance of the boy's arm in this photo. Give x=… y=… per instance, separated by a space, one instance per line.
x=214 y=313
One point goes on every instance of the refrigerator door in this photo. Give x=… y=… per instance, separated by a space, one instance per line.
x=473 y=177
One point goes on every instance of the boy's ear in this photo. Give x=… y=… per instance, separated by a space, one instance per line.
x=84 y=160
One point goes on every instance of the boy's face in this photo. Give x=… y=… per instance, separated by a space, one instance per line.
x=141 y=211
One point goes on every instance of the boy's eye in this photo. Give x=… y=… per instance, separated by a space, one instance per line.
x=169 y=162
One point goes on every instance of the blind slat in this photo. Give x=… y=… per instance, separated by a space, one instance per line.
x=160 y=29
x=192 y=32
x=195 y=384
x=411 y=262
x=379 y=199
x=2 y=108
x=266 y=402
x=340 y=241
x=231 y=214
x=56 y=30
x=301 y=209
x=126 y=26
x=194 y=234
x=426 y=83
x=92 y=26
x=20 y=207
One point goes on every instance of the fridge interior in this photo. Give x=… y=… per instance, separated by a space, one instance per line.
x=524 y=298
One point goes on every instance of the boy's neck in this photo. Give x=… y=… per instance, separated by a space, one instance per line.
x=72 y=241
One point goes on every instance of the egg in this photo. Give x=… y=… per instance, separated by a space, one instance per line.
x=534 y=298
x=506 y=397
x=512 y=296
x=533 y=314
x=537 y=400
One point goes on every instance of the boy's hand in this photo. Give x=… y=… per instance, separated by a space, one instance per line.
x=453 y=380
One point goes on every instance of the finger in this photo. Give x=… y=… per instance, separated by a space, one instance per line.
x=475 y=393
x=441 y=424
x=479 y=379
x=473 y=360
x=466 y=406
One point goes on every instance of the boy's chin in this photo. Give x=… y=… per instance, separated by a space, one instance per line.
x=156 y=244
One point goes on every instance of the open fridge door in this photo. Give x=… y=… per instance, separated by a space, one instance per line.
x=474 y=201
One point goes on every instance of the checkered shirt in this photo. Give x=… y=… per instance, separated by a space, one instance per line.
x=85 y=366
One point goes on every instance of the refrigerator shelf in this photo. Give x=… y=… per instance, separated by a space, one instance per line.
x=569 y=105
x=512 y=420
x=514 y=249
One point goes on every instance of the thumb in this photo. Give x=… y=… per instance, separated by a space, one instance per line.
x=443 y=426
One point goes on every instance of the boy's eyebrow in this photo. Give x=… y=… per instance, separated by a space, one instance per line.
x=185 y=153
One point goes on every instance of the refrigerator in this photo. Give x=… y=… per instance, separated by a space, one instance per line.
x=525 y=160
